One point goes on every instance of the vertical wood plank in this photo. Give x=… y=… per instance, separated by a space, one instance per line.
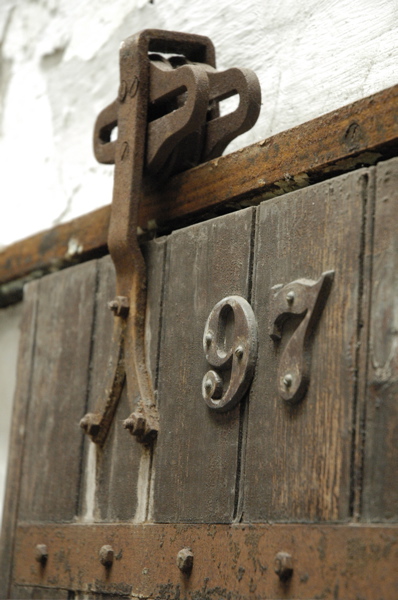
x=298 y=463
x=380 y=485
x=122 y=466
x=52 y=458
x=18 y=432
x=196 y=456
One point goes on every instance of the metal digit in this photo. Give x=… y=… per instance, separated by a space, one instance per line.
x=302 y=297
x=230 y=347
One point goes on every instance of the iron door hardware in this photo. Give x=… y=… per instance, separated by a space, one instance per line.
x=305 y=298
x=230 y=345
x=167 y=115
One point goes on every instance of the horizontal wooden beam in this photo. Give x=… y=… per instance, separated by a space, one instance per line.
x=229 y=561
x=357 y=135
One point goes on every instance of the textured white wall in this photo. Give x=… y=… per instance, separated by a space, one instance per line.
x=59 y=68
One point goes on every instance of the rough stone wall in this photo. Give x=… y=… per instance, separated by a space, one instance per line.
x=59 y=68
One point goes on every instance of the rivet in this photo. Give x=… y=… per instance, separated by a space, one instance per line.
x=106 y=556
x=208 y=338
x=208 y=385
x=41 y=554
x=283 y=565
x=122 y=91
x=119 y=306
x=288 y=380
x=290 y=297
x=185 y=560
x=239 y=352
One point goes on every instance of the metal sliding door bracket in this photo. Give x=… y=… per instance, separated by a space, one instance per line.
x=167 y=115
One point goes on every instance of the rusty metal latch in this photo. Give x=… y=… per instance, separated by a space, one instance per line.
x=168 y=119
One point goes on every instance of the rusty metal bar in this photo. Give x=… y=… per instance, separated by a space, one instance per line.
x=245 y=561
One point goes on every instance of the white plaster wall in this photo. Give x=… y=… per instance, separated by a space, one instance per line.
x=59 y=68
x=9 y=339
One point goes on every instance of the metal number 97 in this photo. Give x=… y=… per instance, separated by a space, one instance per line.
x=230 y=345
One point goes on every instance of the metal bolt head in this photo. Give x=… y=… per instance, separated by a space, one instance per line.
x=208 y=339
x=208 y=385
x=106 y=556
x=90 y=424
x=120 y=306
x=283 y=565
x=185 y=560
x=290 y=297
x=239 y=352
x=41 y=554
x=287 y=380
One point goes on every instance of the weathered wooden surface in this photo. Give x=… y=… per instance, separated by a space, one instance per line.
x=116 y=465
x=121 y=469
x=18 y=432
x=298 y=463
x=380 y=485
x=52 y=457
x=21 y=592
x=196 y=457
x=356 y=135
x=236 y=563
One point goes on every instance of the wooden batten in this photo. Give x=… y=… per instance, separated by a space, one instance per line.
x=359 y=134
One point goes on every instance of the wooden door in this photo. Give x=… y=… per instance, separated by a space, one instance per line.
x=309 y=486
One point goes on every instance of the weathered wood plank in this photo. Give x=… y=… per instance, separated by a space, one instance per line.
x=20 y=592
x=52 y=456
x=380 y=485
x=298 y=463
x=18 y=432
x=356 y=135
x=120 y=471
x=196 y=454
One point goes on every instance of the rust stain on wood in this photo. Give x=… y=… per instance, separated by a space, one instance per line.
x=359 y=134
x=235 y=562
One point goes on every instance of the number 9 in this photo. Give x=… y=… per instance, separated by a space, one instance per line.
x=230 y=346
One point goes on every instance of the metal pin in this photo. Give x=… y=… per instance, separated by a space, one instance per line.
x=283 y=565
x=106 y=556
x=290 y=297
x=239 y=352
x=41 y=554
x=208 y=338
x=185 y=560
x=208 y=385
x=288 y=380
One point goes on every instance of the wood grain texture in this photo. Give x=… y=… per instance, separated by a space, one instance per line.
x=122 y=466
x=20 y=592
x=115 y=467
x=298 y=461
x=196 y=454
x=52 y=458
x=380 y=485
x=18 y=433
x=359 y=134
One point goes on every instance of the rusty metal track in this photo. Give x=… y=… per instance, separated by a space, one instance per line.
x=359 y=134
x=235 y=562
